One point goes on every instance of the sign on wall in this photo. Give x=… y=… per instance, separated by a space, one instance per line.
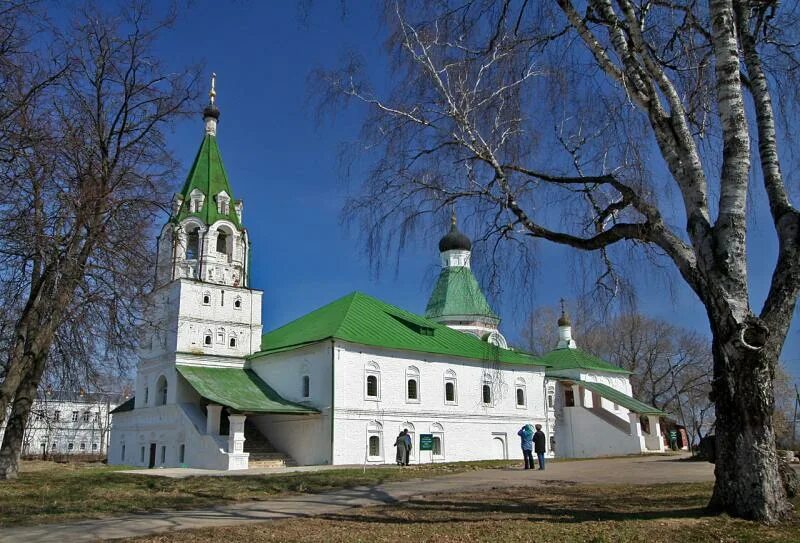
x=426 y=442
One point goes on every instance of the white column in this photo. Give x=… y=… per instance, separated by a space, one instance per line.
x=636 y=426
x=213 y=412
x=654 y=441
x=236 y=434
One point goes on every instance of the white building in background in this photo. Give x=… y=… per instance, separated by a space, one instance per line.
x=337 y=385
x=71 y=423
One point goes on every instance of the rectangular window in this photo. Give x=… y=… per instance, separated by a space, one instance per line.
x=86 y=416
x=569 y=398
x=97 y=417
x=74 y=416
x=306 y=386
x=122 y=454
x=141 y=458
x=182 y=453
x=94 y=446
x=83 y=446
x=374 y=446
x=163 y=453
x=57 y=415
x=70 y=446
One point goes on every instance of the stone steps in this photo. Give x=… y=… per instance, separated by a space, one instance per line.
x=270 y=460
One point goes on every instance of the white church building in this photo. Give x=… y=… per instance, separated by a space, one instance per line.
x=337 y=385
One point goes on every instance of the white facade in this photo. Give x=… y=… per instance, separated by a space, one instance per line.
x=68 y=423
x=351 y=413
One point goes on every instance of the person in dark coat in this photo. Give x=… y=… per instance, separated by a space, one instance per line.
x=538 y=443
x=401 y=443
x=526 y=436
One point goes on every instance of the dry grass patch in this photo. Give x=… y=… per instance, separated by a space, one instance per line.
x=556 y=512
x=48 y=492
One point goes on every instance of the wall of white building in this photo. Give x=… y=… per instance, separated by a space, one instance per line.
x=468 y=428
x=306 y=438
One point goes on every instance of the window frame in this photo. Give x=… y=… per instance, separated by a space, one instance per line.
x=372 y=370
x=305 y=385
x=486 y=386
x=520 y=386
x=413 y=374
x=374 y=429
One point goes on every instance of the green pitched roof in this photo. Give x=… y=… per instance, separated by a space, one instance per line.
x=457 y=293
x=620 y=398
x=567 y=359
x=207 y=174
x=362 y=319
x=239 y=389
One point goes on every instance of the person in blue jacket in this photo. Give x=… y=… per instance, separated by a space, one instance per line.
x=526 y=435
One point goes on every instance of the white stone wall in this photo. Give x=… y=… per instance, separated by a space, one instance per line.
x=306 y=438
x=67 y=427
x=469 y=429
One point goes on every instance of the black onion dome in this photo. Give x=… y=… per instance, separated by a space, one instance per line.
x=454 y=240
x=211 y=110
x=563 y=320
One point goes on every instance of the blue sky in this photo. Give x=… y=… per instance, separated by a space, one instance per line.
x=283 y=164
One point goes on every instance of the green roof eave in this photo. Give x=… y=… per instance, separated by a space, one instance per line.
x=620 y=398
x=364 y=320
x=239 y=389
x=566 y=358
x=457 y=293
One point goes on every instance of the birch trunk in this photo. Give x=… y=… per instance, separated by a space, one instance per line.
x=748 y=483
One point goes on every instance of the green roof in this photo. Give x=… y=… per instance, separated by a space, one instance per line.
x=239 y=389
x=365 y=320
x=457 y=293
x=567 y=359
x=620 y=398
x=207 y=174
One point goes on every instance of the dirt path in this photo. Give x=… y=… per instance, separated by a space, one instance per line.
x=638 y=470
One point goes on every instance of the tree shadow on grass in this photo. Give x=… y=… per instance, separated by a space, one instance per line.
x=570 y=509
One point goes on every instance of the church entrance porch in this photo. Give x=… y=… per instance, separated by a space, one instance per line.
x=598 y=420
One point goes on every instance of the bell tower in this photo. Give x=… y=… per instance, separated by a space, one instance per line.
x=203 y=310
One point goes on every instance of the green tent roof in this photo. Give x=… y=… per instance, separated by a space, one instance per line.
x=239 y=389
x=362 y=319
x=620 y=398
x=457 y=293
x=567 y=359
x=207 y=174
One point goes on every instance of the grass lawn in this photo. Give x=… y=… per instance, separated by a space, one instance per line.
x=48 y=492
x=663 y=513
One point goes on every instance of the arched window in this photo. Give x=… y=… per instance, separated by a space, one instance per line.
x=487 y=393
x=237 y=303
x=412 y=384
x=374 y=441
x=207 y=338
x=193 y=244
x=232 y=340
x=161 y=387
x=306 y=386
x=374 y=446
x=450 y=389
x=438 y=441
x=372 y=386
x=372 y=382
x=206 y=298
x=520 y=393
x=551 y=397
x=222 y=241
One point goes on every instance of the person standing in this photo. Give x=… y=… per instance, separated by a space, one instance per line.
x=409 y=445
x=401 y=457
x=538 y=441
x=526 y=436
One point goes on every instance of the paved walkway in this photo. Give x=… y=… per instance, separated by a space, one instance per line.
x=639 y=470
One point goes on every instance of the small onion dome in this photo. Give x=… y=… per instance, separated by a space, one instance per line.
x=454 y=240
x=211 y=110
x=563 y=320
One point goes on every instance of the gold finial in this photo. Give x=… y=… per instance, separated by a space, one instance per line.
x=212 y=95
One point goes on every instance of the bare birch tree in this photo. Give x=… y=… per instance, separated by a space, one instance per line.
x=81 y=202
x=612 y=127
